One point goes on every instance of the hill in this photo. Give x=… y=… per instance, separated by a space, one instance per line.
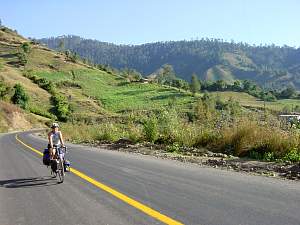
x=211 y=59
x=96 y=104
x=61 y=86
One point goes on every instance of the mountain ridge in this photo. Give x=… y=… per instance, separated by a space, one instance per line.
x=211 y=59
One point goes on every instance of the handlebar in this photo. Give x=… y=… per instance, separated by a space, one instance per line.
x=64 y=148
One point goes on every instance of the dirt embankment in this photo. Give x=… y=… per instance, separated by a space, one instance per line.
x=13 y=118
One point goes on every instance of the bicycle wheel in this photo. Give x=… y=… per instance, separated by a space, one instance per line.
x=60 y=171
x=53 y=169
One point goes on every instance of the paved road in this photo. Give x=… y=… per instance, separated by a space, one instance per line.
x=186 y=193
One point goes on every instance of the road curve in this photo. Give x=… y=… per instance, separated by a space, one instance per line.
x=185 y=193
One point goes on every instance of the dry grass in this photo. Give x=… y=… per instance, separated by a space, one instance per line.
x=246 y=135
x=14 y=118
x=41 y=58
x=38 y=97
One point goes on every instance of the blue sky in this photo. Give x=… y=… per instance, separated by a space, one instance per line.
x=143 y=21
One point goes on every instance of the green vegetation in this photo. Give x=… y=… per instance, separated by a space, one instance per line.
x=151 y=129
x=116 y=94
x=20 y=97
x=41 y=82
x=62 y=108
x=4 y=90
x=26 y=47
x=71 y=56
x=248 y=87
x=22 y=58
x=195 y=84
x=99 y=103
x=37 y=111
x=228 y=131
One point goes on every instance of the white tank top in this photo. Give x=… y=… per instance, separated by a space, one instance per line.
x=55 y=138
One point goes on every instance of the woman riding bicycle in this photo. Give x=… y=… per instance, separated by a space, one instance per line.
x=55 y=139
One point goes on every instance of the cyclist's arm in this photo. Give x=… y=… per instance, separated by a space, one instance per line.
x=61 y=139
x=50 y=140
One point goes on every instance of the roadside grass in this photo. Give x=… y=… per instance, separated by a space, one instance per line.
x=243 y=135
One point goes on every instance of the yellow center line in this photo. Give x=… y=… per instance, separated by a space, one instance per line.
x=147 y=210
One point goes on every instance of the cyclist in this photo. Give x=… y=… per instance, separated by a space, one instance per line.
x=54 y=139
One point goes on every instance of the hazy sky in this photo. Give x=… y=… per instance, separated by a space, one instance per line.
x=141 y=21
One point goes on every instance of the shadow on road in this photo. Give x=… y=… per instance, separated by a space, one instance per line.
x=28 y=182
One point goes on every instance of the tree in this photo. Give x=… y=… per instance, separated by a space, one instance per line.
x=61 y=45
x=25 y=47
x=181 y=84
x=20 y=97
x=289 y=92
x=166 y=74
x=220 y=85
x=247 y=85
x=131 y=74
x=22 y=58
x=195 y=84
x=236 y=85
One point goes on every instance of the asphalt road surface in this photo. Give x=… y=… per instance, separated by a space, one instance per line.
x=182 y=193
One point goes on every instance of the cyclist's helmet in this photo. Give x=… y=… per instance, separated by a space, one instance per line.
x=54 y=125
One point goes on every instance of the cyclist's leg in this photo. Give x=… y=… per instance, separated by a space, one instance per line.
x=52 y=152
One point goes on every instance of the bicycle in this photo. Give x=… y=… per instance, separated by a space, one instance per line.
x=57 y=165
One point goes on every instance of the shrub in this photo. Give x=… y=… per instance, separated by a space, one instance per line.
x=61 y=107
x=25 y=47
x=22 y=58
x=168 y=122
x=67 y=83
x=20 y=97
x=45 y=84
x=174 y=148
x=245 y=137
x=293 y=155
x=134 y=133
x=206 y=138
x=109 y=132
x=41 y=82
x=150 y=126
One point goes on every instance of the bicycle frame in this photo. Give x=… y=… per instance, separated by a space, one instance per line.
x=59 y=158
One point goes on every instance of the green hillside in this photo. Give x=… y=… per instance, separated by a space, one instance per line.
x=247 y=101
x=90 y=92
x=210 y=59
x=95 y=105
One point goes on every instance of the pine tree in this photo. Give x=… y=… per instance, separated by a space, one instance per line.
x=195 y=84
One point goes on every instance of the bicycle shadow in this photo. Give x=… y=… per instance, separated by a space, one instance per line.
x=29 y=182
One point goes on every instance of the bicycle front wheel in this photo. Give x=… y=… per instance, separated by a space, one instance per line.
x=60 y=171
